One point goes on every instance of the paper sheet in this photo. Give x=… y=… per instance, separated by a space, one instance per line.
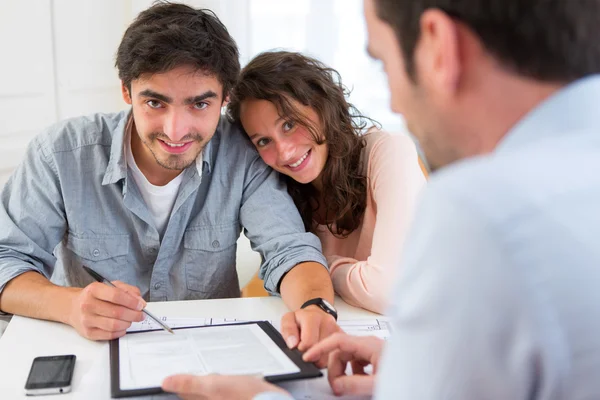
x=308 y=389
x=379 y=327
x=146 y=359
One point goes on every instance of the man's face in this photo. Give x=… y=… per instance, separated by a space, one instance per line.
x=175 y=114
x=417 y=102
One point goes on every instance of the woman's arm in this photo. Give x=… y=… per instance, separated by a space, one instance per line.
x=394 y=182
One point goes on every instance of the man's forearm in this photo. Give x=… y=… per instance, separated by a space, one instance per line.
x=304 y=282
x=32 y=295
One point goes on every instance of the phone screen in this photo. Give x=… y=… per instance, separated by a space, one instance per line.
x=52 y=371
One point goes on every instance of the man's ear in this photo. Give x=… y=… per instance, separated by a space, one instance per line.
x=125 y=93
x=440 y=57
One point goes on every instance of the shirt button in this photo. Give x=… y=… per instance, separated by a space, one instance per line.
x=215 y=244
x=96 y=252
x=157 y=286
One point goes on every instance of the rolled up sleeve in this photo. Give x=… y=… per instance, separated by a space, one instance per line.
x=32 y=218
x=273 y=224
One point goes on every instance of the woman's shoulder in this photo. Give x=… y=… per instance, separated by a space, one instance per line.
x=380 y=143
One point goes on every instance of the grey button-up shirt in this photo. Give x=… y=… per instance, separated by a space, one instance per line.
x=73 y=202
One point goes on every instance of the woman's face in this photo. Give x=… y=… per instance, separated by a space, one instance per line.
x=284 y=145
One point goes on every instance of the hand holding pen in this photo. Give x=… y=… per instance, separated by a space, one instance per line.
x=101 y=279
x=103 y=312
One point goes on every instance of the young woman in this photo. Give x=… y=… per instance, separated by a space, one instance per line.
x=355 y=186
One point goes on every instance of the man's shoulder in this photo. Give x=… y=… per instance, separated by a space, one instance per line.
x=233 y=137
x=72 y=133
x=487 y=185
x=503 y=184
x=231 y=144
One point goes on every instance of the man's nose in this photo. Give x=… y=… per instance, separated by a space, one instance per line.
x=177 y=125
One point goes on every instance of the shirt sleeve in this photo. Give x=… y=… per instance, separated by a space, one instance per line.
x=394 y=182
x=32 y=217
x=273 y=225
x=462 y=325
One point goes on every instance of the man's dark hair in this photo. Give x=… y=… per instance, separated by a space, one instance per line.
x=548 y=40
x=170 y=35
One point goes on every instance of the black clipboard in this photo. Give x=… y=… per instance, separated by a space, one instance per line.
x=307 y=370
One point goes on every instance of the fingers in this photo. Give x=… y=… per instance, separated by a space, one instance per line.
x=133 y=290
x=91 y=306
x=97 y=318
x=358 y=348
x=324 y=347
x=105 y=324
x=115 y=296
x=289 y=330
x=353 y=385
x=188 y=385
x=99 y=334
x=335 y=367
x=310 y=329
x=218 y=386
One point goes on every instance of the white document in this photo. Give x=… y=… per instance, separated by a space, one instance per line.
x=145 y=360
x=379 y=327
x=149 y=324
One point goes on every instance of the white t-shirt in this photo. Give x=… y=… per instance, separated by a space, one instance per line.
x=158 y=199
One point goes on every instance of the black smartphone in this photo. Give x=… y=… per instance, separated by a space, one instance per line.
x=50 y=375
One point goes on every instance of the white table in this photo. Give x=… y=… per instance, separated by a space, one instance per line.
x=26 y=338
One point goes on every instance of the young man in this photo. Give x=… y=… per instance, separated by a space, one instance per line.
x=155 y=197
x=498 y=296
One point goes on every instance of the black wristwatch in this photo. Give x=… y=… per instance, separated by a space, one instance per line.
x=323 y=305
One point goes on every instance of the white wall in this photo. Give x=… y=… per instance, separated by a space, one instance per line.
x=58 y=64
x=27 y=90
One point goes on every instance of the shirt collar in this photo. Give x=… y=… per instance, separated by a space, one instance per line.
x=576 y=107
x=117 y=164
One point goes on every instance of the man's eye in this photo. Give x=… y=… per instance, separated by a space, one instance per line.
x=200 y=106
x=288 y=125
x=153 y=104
x=262 y=142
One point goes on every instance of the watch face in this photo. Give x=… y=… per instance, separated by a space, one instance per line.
x=327 y=304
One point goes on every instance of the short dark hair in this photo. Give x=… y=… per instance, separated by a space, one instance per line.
x=169 y=35
x=547 y=40
x=280 y=77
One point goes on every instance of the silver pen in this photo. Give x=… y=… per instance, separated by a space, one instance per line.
x=102 y=279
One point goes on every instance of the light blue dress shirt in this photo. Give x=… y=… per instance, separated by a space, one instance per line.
x=499 y=292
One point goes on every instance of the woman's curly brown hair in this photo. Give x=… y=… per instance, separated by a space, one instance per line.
x=284 y=77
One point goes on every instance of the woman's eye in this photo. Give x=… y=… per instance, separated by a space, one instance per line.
x=200 y=106
x=262 y=142
x=153 y=104
x=287 y=125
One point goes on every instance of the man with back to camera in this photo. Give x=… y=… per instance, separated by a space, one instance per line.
x=155 y=196
x=498 y=293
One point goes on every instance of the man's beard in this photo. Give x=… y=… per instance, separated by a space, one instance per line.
x=177 y=162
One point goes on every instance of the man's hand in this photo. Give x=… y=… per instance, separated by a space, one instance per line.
x=305 y=327
x=101 y=312
x=191 y=387
x=343 y=349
